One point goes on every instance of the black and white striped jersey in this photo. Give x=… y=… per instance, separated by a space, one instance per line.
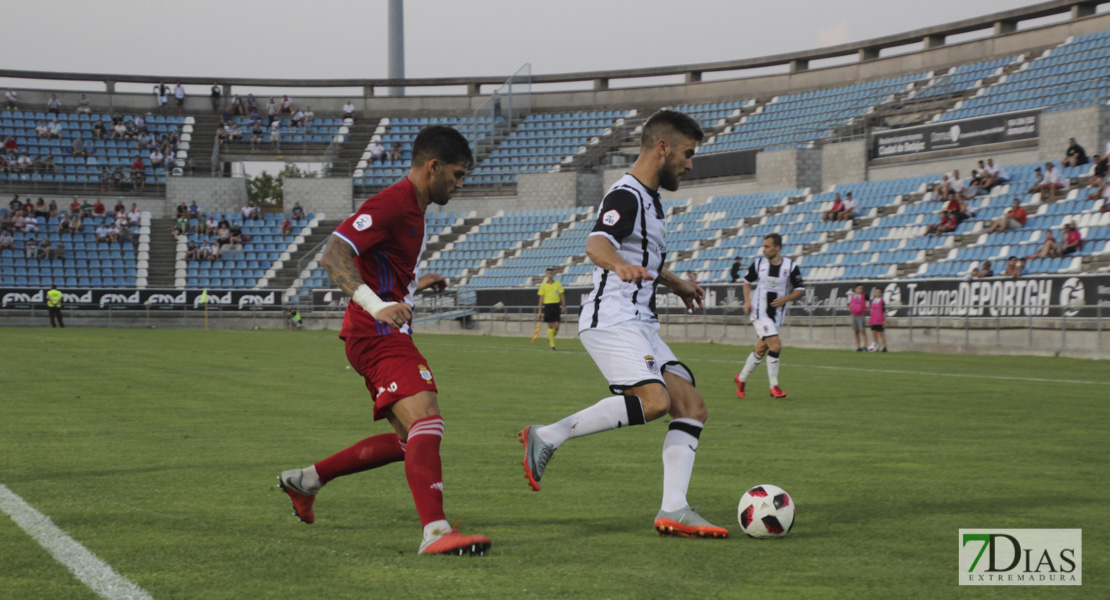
x=772 y=281
x=632 y=219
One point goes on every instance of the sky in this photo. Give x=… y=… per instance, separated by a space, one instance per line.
x=347 y=39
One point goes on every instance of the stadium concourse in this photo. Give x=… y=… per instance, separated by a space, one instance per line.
x=737 y=193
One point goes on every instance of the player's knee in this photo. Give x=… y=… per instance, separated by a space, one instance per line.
x=654 y=400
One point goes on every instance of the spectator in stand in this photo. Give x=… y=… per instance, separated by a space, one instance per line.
x=59 y=252
x=237 y=106
x=986 y=269
x=179 y=97
x=1097 y=187
x=11 y=100
x=98 y=209
x=297 y=213
x=256 y=135
x=74 y=206
x=213 y=251
x=1012 y=269
x=78 y=149
x=40 y=209
x=15 y=203
x=1038 y=181
x=102 y=234
x=30 y=248
x=119 y=131
x=117 y=178
x=157 y=159
x=275 y=134
x=1102 y=165
x=376 y=152
x=286 y=106
x=349 y=110
x=138 y=174
x=851 y=208
x=298 y=118
x=193 y=210
x=395 y=152
x=222 y=135
x=55 y=130
x=227 y=117
x=191 y=252
x=251 y=104
x=53 y=105
x=162 y=93
x=997 y=174
x=286 y=226
x=1073 y=240
x=53 y=209
x=134 y=216
x=237 y=235
x=1014 y=218
x=271 y=109
x=1021 y=267
x=30 y=222
x=979 y=184
x=309 y=117
x=99 y=131
x=734 y=270
x=947 y=224
x=958 y=208
x=180 y=226
x=201 y=228
x=212 y=224
x=1050 y=248
x=45 y=250
x=83 y=106
x=42 y=131
x=833 y=214
x=1075 y=155
x=214 y=95
x=7 y=242
x=223 y=235
x=1053 y=181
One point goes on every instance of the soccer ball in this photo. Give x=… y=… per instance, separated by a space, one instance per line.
x=766 y=511
x=873 y=347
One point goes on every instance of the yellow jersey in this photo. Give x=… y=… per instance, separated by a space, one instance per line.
x=551 y=292
x=54 y=298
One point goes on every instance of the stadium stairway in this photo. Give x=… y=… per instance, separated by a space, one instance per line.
x=163 y=254
x=285 y=277
x=350 y=152
x=200 y=148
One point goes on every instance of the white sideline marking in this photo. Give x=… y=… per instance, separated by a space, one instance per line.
x=863 y=369
x=92 y=571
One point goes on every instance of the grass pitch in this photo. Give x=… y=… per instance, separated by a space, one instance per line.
x=158 y=449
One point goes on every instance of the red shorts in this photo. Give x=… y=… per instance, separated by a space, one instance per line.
x=393 y=368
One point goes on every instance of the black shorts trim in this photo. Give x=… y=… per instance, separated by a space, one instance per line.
x=693 y=380
x=621 y=389
x=876 y=328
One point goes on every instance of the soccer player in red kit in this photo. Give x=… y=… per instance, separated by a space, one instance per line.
x=372 y=257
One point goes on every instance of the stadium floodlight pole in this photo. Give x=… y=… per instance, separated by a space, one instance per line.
x=396 y=44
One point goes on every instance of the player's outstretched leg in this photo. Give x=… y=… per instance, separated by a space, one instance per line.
x=753 y=361
x=303 y=484
x=540 y=441
x=424 y=472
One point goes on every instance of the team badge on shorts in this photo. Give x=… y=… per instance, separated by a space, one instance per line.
x=425 y=374
x=650 y=362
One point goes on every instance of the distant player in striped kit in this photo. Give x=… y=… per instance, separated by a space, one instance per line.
x=372 y=257
x=772 y=275
x=619 y=327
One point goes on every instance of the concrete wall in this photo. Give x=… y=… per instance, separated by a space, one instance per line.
x=784 y=169
x=547 y=190
x=331 y=195
x=1089 y=126
x=843 y=163
x=220 y=194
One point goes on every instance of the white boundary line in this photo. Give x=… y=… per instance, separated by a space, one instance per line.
x=93 y=572
x=808 y=366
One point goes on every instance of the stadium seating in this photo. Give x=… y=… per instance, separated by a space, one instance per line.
x=382 y=173
x=242 y=270
x=322 y=131
x=88 y=263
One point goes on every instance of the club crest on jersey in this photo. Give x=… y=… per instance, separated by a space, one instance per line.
x=651 y=365
x=611 y=217
x=363 y=222
x=425 y=374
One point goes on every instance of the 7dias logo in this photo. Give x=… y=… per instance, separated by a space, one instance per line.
x=1021 y=557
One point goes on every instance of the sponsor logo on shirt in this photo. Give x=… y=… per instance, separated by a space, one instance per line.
x=363 y=222
x=611 y=217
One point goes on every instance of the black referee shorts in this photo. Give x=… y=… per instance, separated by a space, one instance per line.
x=552 y=313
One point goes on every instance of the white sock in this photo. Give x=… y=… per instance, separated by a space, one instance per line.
x=310 y=480
x=749 y=366
x=679 y=450
x=610 y=413
x=773 y=368
x=435 y=529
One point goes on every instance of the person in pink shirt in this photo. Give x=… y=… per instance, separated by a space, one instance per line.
x=1073 y=242
x=857 y=305
x=878 y=316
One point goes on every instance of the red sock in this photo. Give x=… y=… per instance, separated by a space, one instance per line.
x=423 y=468
x=369 y=453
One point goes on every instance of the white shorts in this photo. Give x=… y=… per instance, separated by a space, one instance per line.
x=765 y=328
x=631 y=354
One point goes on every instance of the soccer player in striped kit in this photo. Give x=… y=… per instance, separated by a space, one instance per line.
x=373 y=258
x=619 y=327
x=772 y=275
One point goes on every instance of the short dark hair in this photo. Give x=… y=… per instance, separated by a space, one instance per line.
x=664 y=122
x=775 y=238
x=442 y=142
x=549 y=269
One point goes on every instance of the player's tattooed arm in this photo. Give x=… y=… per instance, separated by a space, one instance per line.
x=337 y=261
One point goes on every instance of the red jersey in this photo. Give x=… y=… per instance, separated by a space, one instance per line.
x=387 y=233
